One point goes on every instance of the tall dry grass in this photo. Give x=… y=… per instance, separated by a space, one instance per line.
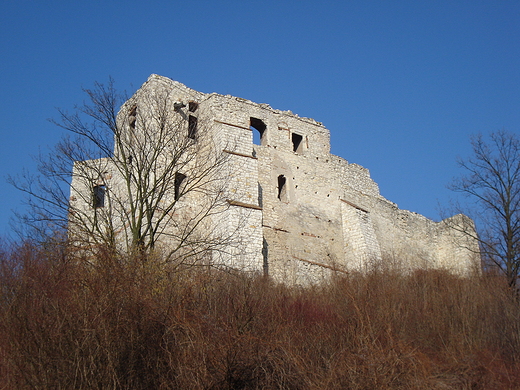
x=131 y=324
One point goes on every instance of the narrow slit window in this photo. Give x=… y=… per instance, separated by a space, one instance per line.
x=258 y=127
x=192 y=126
x=260 y=195
x=297 y=143
x=192 y=106
x=132 y=116
x=179 y=185
x=265 y=255
x=282 y=188
x=98 y=196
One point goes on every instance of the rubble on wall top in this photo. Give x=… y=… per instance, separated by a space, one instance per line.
x=265 y=106
x=268 y=107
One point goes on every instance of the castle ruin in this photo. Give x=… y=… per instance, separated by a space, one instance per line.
x=298 y=212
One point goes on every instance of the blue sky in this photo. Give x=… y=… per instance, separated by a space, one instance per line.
x=400 y=84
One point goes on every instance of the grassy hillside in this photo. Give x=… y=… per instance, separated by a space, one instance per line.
x=134 y=324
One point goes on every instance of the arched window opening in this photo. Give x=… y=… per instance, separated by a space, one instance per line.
x=282 y=188
x=258 y=127
x=179 y=185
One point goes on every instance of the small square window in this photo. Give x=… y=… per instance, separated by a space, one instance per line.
x=192 y=106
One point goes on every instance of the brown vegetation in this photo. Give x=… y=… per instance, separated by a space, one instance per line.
x=131 y=325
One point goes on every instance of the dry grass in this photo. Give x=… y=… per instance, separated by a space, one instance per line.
x=131 y=325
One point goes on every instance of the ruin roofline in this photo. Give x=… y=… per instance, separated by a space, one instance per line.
x=166 y=81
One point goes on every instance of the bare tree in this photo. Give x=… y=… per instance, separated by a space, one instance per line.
x=491 y=180
x=141 y=173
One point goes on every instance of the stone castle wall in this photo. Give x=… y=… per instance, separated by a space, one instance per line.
x=299 y=212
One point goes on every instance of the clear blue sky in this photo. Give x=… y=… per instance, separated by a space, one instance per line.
x=400 y=84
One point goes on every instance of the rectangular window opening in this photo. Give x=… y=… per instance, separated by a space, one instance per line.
x=297 y=143
x=98 y=196
x=178 y=185
x=257 y=126
x=192 y=127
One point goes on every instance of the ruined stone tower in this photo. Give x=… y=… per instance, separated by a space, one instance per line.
x=300 y=212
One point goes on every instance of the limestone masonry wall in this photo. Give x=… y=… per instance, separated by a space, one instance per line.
x=301 y=213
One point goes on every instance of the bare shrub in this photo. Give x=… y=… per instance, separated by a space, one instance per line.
x=132 y=324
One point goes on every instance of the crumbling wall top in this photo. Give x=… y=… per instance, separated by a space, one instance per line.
x=167 y=82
